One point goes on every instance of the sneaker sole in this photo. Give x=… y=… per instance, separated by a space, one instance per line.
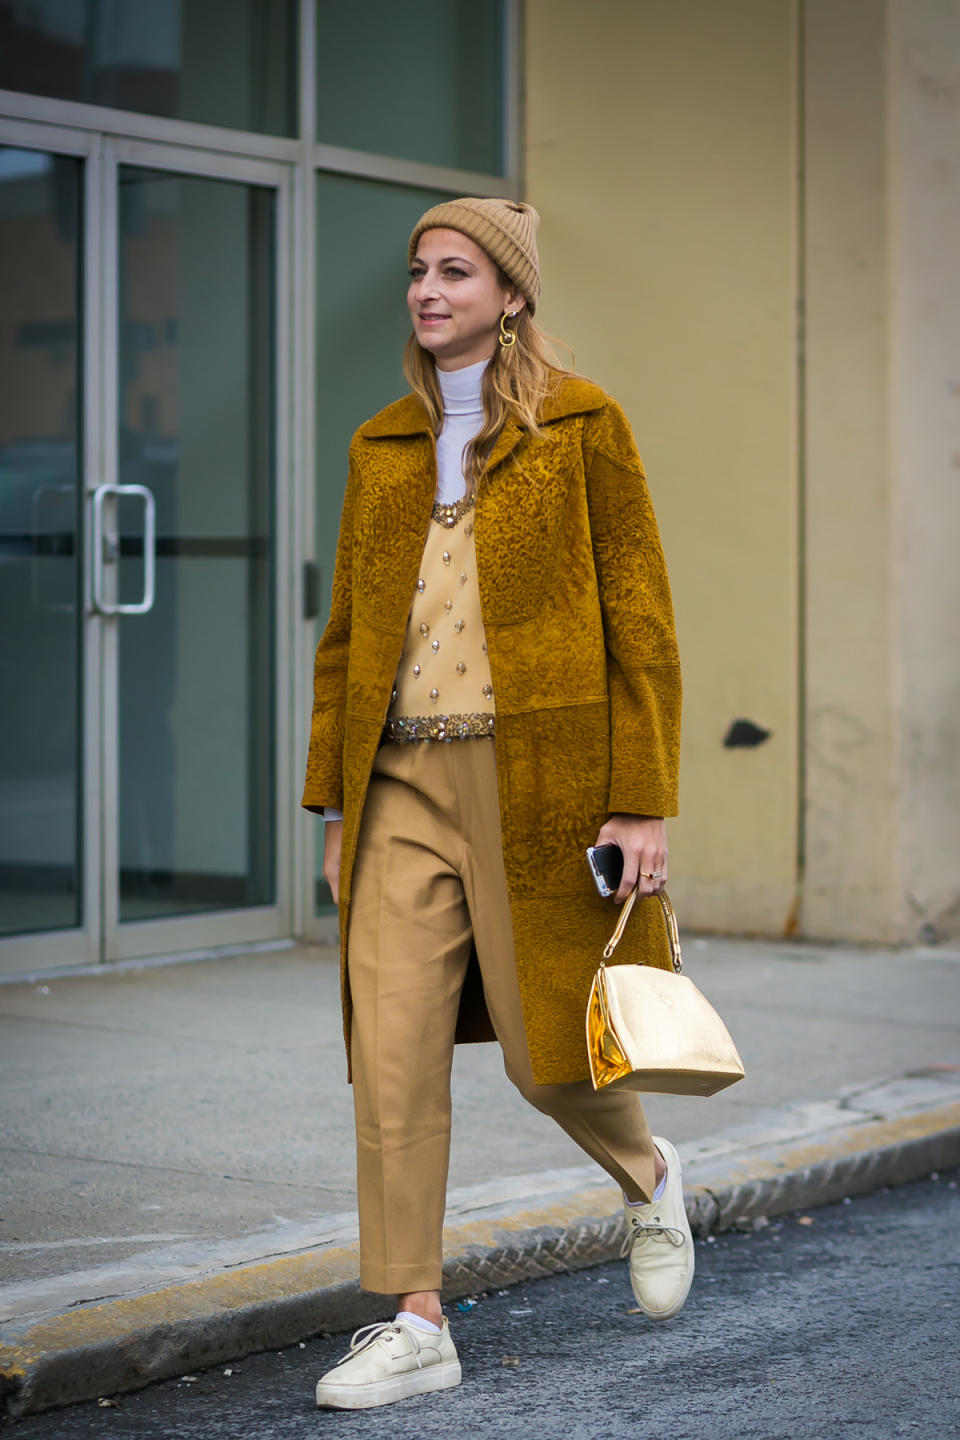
x=385 y=1392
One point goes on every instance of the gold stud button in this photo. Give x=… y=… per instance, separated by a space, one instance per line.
x=434 y=694
x=421 y=586
x=458 y=625
x=447 y=557
x=448 y=604
x=487 y=691
x=463 y=579
x=435 y=646
x=424 y=630
x=416 y=670
x=461 y=670
x=469 y=530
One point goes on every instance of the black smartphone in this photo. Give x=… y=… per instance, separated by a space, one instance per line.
x=606 y=865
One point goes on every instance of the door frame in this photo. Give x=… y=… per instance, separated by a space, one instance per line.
x=101 y=938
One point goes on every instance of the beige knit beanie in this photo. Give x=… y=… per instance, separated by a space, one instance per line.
x=505 y=229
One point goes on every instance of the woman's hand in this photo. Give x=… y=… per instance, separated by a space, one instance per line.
x=643 y=840
x=332 y=842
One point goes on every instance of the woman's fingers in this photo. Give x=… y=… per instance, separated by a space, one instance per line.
x=331 y=873
x=643 y=841
x=649 y=870
x=653 y=872
x=631 y=870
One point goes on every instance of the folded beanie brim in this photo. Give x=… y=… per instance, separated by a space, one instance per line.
x=506 y=230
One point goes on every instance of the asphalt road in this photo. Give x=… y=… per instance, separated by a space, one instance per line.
x=842 y=1323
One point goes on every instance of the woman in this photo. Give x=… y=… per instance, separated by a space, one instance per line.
x=500 y=588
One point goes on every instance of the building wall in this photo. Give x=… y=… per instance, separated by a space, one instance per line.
x=883 y=452
x=662 y=152
x=924 y=62
x=707 y=175
x=851 y=724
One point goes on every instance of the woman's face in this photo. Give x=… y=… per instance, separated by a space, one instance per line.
x=456 y=298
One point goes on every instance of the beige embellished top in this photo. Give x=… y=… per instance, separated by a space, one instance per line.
x=443 y=689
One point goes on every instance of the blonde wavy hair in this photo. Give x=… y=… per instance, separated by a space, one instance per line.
x=515 y=384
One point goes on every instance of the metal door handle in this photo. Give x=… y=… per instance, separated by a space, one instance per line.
x=101 y=542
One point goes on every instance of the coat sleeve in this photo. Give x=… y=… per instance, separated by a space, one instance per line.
x=643 y=668
x=324 y=780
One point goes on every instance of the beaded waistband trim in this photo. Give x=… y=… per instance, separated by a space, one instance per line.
x=450 y=515
x=405 y=729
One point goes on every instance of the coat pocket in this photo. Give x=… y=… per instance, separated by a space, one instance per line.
x=555 y=769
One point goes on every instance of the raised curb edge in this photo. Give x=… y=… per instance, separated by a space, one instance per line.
x=128 y=1343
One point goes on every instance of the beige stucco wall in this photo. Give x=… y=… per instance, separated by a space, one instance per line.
x=851 y=730
x=661 y=152
x=882 y=770
x=924 y=129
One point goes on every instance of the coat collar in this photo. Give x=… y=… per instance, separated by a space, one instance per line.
x=572 y=396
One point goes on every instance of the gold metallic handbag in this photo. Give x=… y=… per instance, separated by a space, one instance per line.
x=651 y=1029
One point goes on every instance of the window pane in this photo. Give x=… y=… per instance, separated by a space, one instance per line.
x=362 y=326
x=40 y=602
x=421 y=82
x=220 y=62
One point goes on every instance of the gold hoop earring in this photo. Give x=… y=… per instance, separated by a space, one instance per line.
x=508 y=337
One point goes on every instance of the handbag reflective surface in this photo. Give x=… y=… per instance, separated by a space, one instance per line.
x=652 y=1030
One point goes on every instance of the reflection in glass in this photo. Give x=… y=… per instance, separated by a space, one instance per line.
x=40 y=609
x=421 y=82
x=220 y=62
x=196 y=674
x=362 y=326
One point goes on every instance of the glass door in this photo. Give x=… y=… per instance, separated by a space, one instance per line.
x=143 y=788
x=186 y=559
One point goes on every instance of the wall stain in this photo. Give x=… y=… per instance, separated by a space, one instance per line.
x=745 y=735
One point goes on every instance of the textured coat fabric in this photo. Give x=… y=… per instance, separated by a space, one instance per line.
x=579 y=625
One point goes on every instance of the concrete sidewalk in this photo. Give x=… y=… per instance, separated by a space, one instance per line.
x=177 y=1183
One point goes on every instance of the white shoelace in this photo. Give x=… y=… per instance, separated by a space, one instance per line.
x=640 y=1230
x=369 y=1334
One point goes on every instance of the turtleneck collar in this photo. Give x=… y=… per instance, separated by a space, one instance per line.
x=462 y=390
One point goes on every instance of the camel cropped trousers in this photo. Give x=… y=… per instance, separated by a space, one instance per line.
x=429 y=884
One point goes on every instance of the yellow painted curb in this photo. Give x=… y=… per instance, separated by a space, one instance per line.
x=862 y=1137
x=132 y=1341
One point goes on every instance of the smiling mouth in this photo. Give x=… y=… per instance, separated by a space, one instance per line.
x=431 y=316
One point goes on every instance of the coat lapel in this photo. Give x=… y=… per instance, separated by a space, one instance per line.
x=397 y=486
x=399 y=476
x=572 y=397
x=507 y=441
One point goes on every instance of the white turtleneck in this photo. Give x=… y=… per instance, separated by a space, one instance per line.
x=462 y=392
x=462 y=417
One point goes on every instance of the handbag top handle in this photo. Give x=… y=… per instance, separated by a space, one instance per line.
x=670 y=919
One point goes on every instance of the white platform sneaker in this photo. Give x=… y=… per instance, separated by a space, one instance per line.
x=390 y=1362
x=660 y=1245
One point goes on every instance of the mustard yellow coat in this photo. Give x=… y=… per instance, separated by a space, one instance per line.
x=583 y=658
